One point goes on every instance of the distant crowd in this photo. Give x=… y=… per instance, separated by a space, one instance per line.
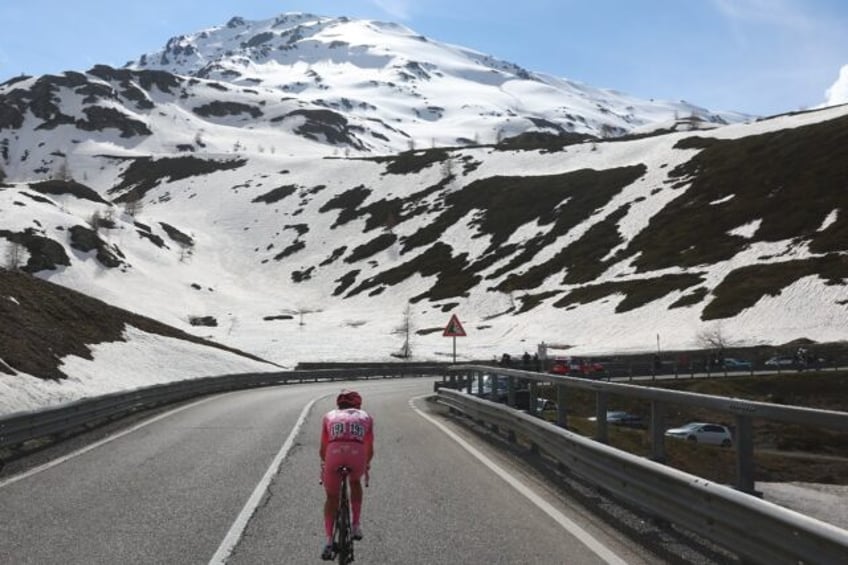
x=528 y=362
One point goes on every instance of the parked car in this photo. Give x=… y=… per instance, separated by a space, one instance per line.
x=622 y=418
x=522 y=394
x=731 y=364
x=577 y=367
x=702 y=432
x=546 y=409
x=486 y=390
x=780 y=361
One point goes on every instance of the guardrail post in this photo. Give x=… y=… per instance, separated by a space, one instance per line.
x=562 y=414
x=468 y=380
x=531 y=401
x=744 y=442
x=510 y=391
x=601 y=417
x=480 y=384
x=657 y=431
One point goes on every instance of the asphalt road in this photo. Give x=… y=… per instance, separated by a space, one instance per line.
x=234 y=478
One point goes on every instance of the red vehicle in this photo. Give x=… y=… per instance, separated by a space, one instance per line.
x=576 y=367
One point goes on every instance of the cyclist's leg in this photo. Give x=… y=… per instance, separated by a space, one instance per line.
x=331 y=503
x=355 y=501
x=332 y=486
x=358 y=463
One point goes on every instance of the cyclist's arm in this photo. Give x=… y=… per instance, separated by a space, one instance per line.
x=369 y=442
x=322 y=451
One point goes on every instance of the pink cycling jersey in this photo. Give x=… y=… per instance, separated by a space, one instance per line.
x=347 y=437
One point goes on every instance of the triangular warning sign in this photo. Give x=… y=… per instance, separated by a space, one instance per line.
x=454 y=328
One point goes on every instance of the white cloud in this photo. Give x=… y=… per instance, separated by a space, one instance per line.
x=838 y=92
x=398 y=9
x=786 y=14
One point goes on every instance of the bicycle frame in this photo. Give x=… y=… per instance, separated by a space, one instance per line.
x=342 y=533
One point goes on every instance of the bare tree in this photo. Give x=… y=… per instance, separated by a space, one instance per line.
x=63 y=172
x=405 y=330
x=508 y=288
x=14 y=256
x=715 y=340
x=133 y=206
x=712 y=338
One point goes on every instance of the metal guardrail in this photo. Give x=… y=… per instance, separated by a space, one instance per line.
x=18 y=428
x=743 y=411
x=757 y=530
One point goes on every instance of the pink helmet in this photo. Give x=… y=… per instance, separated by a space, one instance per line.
x=349 y=399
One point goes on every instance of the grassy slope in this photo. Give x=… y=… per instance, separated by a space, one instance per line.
x=43 y=322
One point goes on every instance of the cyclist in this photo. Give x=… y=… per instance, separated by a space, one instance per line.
x=347 y=438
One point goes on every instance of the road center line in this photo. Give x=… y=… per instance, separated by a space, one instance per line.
x=566 y=523
x=237 y=529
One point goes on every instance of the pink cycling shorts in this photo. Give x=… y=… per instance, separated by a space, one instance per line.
x=350 y=453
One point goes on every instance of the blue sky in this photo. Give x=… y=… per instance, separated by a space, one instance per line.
x=755 y=56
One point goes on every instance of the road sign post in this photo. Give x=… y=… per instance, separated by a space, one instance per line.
x=454 y=329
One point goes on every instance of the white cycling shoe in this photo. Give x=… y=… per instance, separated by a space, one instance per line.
x=327 y=554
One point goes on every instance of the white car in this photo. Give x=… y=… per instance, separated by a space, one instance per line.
x=622 y=418
x=701 y=432
x=780 y=361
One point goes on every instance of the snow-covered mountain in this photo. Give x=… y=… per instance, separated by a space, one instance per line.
x=402 y=85
x=301 y=83
x=310 y=188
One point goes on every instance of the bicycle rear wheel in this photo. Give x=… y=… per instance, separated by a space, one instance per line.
x=344 y=536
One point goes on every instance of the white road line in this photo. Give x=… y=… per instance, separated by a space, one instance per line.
x=237 y=529
x=95 y=445
x=569 y=525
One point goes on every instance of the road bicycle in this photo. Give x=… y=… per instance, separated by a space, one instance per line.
x=342 y=531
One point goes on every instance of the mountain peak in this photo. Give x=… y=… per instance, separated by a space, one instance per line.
x=372 y=70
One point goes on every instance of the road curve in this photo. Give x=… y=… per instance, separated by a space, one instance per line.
x=233 y=478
